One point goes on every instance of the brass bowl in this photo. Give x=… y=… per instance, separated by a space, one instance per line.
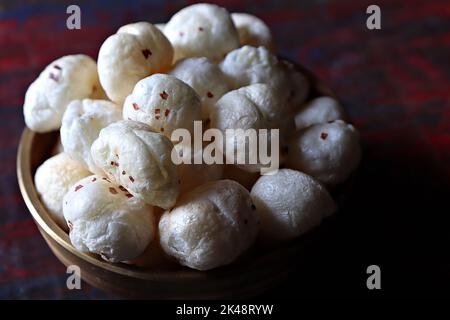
x=256 y=272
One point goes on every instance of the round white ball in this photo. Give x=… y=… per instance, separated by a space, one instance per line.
x=329 y=152
x=163 y=102
x=252 y=107
x=253 y=31
x=65 y=79
x=319 y=110
x=136 y=51
x=53 y=179
x=140 y=160
x=202 y=30
x=249 y=65
x=205 y=78
x=107 y=220
x=210 y=226
x=81 y=125
x=289 y=204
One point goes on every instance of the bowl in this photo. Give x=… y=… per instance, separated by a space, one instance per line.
x=255 y=272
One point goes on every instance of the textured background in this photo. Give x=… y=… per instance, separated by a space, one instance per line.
x=394 y=82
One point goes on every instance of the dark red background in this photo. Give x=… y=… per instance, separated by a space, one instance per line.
x=394 y=82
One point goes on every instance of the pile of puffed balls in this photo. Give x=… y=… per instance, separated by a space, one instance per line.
x=112 y=184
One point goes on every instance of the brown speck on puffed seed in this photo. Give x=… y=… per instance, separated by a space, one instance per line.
x=166 y=112
x=164 y=95
x=129 y=195
x=106 y=179
x=200 y=29
x=112 y=190
x=94 y=179
x=162 y=129
x=135 y=106
x=146 y=53
x=122 y=188
x=157 y=113
x=131 y=178
x=53 y=77
x=78 y=187
x=323 y=135
x=209 y=95
x=57 y=67
x=123 y=172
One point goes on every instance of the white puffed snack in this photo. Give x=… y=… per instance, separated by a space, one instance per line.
x=65 y=79
x=252 y=107
x=319 y=110
x=210 y=226
x=193 y=175
x=249 y=65
x=253 y=31
x=163 y=102
x=202 y=30
x=81 y=125
x=53 y=179
x=140 y=160
x=105 y=219
x=328 y=152
x=289 y=204
x=136 y=51
x=205 y=78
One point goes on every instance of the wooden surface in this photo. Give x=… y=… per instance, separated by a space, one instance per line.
x=395 y=83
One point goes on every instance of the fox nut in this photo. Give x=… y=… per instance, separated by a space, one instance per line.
x=136 y=51
x=249 y=65
x=329 y=152
x=104 y=218
x=81 y=125
x=210 y=226
x=202 y=30
x=253 y=31
x=289 y=204
x=140 y=160
x=53 y=179
x=256 y=106
x=205 y=78
x=65 y=79
x=163 y=102
x=319 y=110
